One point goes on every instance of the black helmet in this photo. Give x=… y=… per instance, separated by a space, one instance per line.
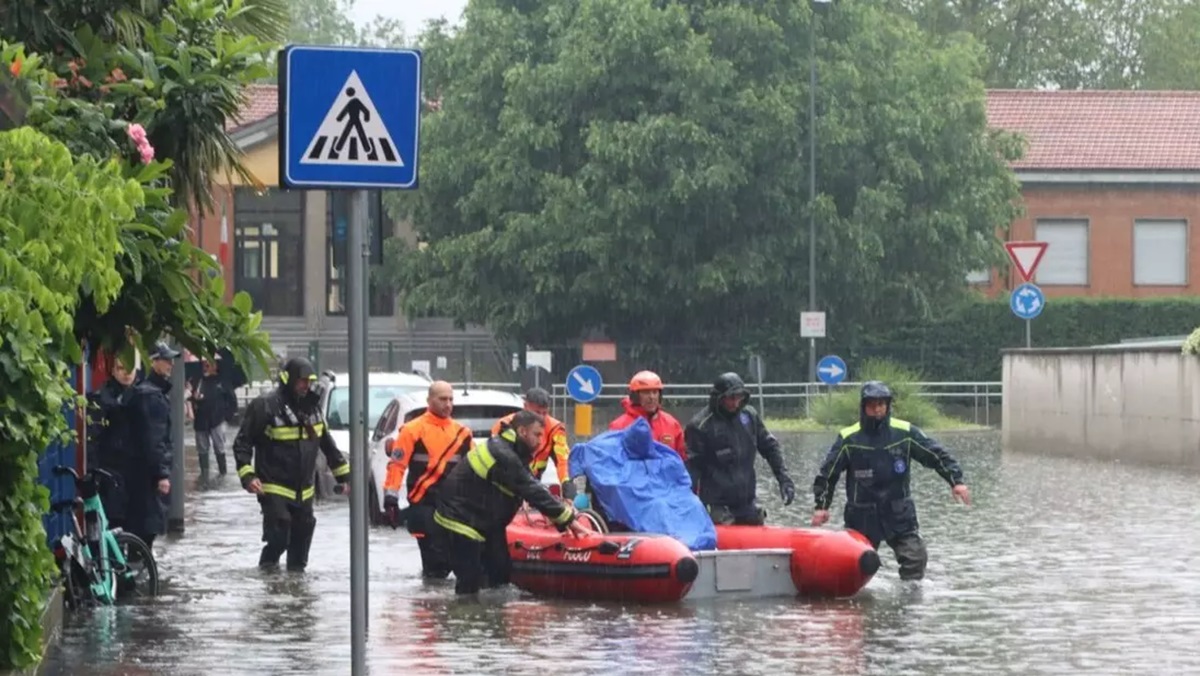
x=727 y=385
x=296 y=369
x=875 y=389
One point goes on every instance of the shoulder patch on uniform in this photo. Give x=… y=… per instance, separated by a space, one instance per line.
x=847 y=431
x=745 y=418
x=901 y=424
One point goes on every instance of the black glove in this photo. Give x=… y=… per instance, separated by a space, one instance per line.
x=568 y=490
x=391 y=511
x=787 y=490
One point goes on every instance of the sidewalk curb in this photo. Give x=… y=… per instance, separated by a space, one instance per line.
x=52 y=620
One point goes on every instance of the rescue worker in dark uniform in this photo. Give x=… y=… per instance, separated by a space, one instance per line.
x=427 y=447
x=877 y=453
x=282 y=432
x=723 y=441
x=482 y=495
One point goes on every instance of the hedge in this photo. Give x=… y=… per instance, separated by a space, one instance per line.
x=59 y=223
x=965 y=343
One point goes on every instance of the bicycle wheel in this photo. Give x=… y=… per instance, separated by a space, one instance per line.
x=139 y=576
x=75 y=583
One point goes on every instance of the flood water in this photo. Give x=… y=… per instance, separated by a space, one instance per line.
x=1060 y=566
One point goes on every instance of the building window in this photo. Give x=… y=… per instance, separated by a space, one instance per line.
x=1160 y=254
x=979 y=277
x=380 y=297
x=268 y=249
x=1066 y=259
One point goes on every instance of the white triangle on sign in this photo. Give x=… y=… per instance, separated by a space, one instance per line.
x=1026 y=256
x=352 y=133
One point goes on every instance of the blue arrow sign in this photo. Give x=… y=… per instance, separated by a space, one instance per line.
x=583 y=383
x=349 y=117
x=831 y=370
x=1027 y=301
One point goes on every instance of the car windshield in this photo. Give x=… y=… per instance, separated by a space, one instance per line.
x=337 y=414
x=478 y=418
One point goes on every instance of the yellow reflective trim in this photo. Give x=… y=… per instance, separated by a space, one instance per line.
x=901 y=424
x=342 y=469
x=281 y=491
x=847 y=431
x=478 y=464
x=283 y=433
x=285 y=492
x=245 y=470
x=458 y=527
x=509 y=435
x=502 y=489
x=565 y=516
x=319 y=428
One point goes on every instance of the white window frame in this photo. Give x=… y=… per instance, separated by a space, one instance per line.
x=1060 y=278
x=1153 y=275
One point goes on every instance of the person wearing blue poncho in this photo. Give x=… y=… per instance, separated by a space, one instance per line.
x=643 y=484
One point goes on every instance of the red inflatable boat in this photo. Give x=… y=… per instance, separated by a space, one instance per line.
x=651 y=568
x=824 y=562
x=600 y=567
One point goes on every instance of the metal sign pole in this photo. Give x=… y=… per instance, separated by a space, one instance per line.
x=178 y=397
x=356 y=315
x=1028 y=338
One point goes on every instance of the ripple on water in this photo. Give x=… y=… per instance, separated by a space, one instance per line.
x=1061 y=566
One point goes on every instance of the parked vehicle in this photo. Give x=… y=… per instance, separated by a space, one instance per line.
x=382 y=389
x=478 y=410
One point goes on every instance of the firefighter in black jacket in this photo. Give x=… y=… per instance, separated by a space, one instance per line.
x=283 y=431
x=479 y=498
x=876 y=454
x=723 y=442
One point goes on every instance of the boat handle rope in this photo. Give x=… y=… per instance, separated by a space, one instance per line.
x=604 y=547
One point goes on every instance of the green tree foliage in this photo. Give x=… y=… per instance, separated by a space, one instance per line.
x=90 y=94
x=328 y=22
x=639 y=167
x=1072 y=44
x=60 y=225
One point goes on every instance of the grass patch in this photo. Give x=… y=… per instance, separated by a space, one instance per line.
x=940 y=423
x=842 y=408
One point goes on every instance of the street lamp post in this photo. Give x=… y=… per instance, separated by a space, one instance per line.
x=816 y=5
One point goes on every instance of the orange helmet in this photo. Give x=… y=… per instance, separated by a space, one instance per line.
x=645 y=380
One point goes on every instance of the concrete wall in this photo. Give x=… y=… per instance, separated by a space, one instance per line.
x=1136 y=404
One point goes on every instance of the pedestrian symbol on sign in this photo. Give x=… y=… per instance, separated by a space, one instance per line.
x=352 y=132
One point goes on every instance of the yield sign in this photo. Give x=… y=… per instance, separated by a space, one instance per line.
x=1026 y=256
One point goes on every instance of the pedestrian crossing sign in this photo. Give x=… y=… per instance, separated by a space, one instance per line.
x=349 y=117
x=352 y=133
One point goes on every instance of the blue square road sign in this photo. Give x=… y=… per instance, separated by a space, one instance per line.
x=349 y=117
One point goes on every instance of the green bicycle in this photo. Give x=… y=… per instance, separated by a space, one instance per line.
x=100 y=565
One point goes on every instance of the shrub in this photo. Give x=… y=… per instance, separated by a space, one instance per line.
x=842 y=407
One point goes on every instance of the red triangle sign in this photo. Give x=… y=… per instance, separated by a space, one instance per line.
x=1026 y=256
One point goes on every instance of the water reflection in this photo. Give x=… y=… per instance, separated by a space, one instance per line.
x=1060 y=566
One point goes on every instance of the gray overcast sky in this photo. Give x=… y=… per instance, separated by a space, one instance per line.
x=413 y=13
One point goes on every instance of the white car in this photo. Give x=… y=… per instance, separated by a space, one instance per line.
x=478 y=410
x=382 y=388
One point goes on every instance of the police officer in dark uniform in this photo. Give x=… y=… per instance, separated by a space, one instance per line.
x=877 y=453
x=723 y=443
x=283 y=431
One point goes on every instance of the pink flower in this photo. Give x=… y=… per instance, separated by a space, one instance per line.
x=138 y=134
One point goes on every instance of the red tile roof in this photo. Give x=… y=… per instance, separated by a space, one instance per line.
x=1101 y=130
x=1065 y=130
x=262 y=101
